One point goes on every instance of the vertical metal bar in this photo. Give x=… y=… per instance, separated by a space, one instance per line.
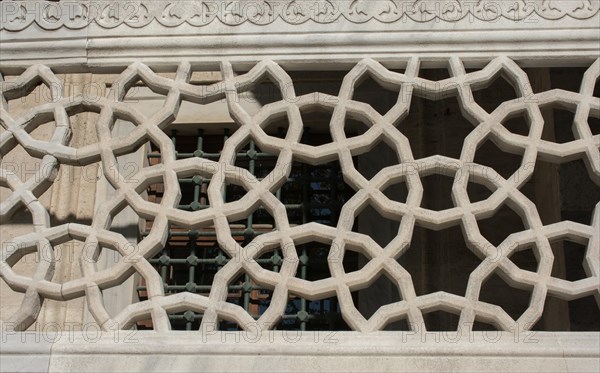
x=200 y=187
x=192 y=269
x=225 y=137
x=276 y=254
x=163 y=268
x=305 y=219
x=249 y=220
x=251 y=160
x=252 y=169
x=246 y=293
x=197 y=191
x=256 y=166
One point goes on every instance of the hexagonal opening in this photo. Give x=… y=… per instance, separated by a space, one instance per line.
x=437 y=192
x=316 y=121
x=315 y=193
x=277 y=125
x=250 y=157
x=499 y=226
x=354 y=127
x=478 y=192
x=381 y=97
x=194 y=193
x=381 y=292
x=435 y=127
x=186 y=320
x=313 y=264
x=569 y=257
x=513 y=301
x=271 y=260
x=83 y=124
x=379 y=157
x=499 y=90
x=434 y=74
x=354 y=260
x=518 y=123
x=561 y=131
x=189 y=260
x=264 y=91
x=327 y=82
x=397 y=192
x=526 y=258
x=252 y=224
x=504 y=163
x=440 y=321
x=378 y=227
x=439 y=261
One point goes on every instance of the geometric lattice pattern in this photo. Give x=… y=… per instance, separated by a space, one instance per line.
x=261 y=192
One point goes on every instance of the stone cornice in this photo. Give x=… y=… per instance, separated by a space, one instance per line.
x=78 y=36
x=19 y=15
x=290 y=351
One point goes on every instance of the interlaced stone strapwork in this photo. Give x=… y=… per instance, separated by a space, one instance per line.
x=386 y=126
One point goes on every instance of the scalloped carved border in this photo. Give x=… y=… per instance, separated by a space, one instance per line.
x=19 y=15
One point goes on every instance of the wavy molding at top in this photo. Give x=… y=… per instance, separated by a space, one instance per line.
x=18 y=15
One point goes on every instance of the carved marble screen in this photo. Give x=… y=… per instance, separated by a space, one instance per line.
x=387 y=192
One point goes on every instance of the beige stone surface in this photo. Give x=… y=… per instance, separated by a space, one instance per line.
x=67 y=200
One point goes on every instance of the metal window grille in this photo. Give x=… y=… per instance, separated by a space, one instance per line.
x=191 y=258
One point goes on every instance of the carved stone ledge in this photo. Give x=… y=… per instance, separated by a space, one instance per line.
x=19 y=15
x=293 y=352
x=70 y=37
